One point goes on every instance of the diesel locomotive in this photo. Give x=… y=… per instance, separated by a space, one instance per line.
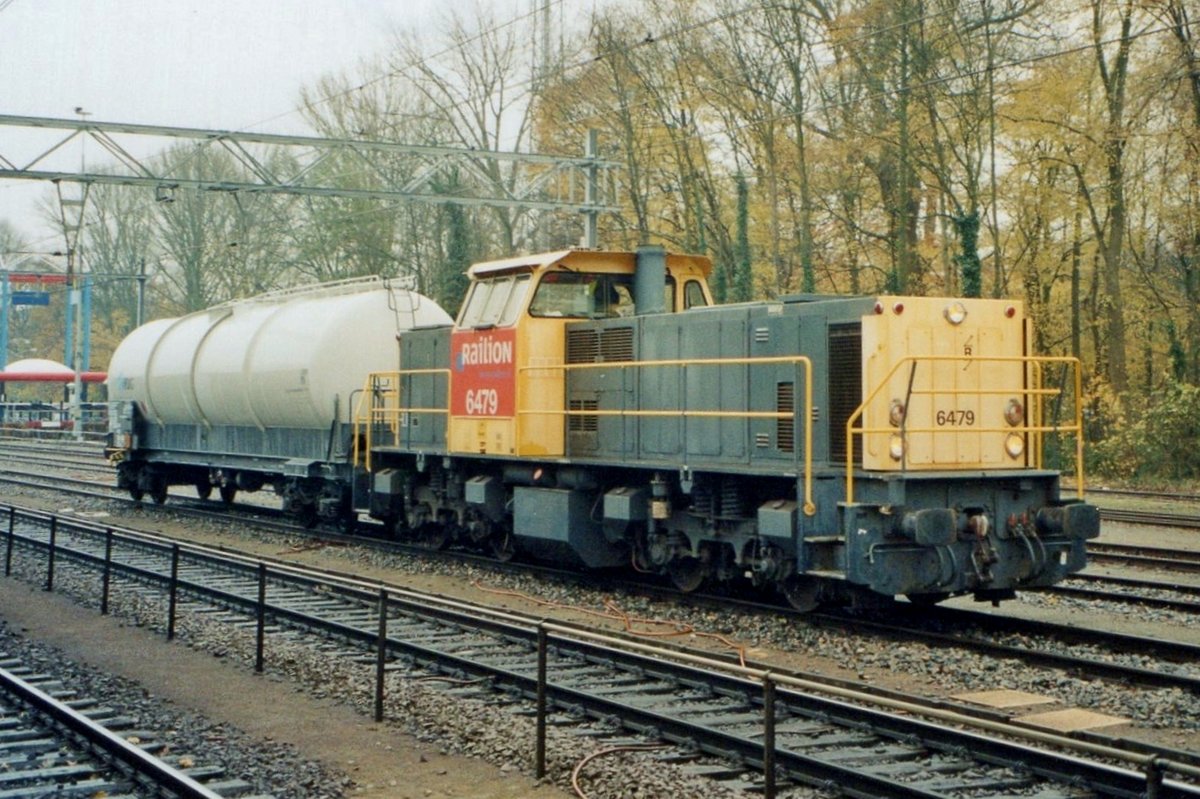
x=598 y=409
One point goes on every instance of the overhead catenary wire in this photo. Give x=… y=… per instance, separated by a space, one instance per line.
x=784 y=113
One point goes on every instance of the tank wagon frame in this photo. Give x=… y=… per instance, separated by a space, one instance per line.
x=596 y=409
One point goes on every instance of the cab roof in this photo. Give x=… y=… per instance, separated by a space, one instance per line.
x=584 y=260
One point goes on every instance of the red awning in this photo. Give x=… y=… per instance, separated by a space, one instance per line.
x=51 y=377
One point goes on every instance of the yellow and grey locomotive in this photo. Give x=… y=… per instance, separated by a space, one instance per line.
x=595 y=408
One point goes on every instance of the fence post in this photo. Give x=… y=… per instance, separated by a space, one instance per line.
x=260 y=629
x=50 y=560
x=106 y=577
x=174 y=589
x=381 y=654
x=1154 y=778
x=12 y=521
x=539 y=756
x=768 y=737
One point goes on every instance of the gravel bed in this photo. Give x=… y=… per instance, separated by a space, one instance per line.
x=1118 y=608
x=951 y=669
x=272 y=768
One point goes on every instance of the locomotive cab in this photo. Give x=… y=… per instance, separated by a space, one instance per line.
x=511 y=333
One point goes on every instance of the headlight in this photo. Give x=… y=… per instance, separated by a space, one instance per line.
x=896 y=448
x=955 y=313
x=1014 y=412
x=896 y=413
x=1014 y=445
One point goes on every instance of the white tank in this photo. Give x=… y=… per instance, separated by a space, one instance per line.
x=286 y=359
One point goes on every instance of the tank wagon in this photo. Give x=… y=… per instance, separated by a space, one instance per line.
x=256 y=393
x=596 y=409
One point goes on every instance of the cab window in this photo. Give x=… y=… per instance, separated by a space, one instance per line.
x=693 y=295
x=494 y=302
x=583 y=295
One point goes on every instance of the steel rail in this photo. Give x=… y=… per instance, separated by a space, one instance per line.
x=112 y=748
x=732 y=681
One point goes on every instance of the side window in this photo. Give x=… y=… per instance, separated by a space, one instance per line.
x=693 y=295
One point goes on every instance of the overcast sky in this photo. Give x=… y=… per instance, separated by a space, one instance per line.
x=230 y=64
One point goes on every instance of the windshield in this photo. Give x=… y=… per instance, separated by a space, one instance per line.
x=584 y=295
x=494 y=303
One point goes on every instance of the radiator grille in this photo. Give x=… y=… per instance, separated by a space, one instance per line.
x=600 y=346
x=583 y=346
x=845 y=386
x=616 y=344
x=582 y=424
x=785 y=429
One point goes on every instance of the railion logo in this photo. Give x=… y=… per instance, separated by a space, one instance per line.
x=484 y=351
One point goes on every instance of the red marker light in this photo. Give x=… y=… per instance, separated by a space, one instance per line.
x=1010 y=311
x=879 y=307
x=898 y=308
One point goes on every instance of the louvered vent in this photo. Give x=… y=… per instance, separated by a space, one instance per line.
x=582 y=423
x=785 y=429
x=616 y=344
x=583 y=346
x=845 y=386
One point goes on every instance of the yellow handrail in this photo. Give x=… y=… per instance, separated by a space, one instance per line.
x=809 y=506
x=385 y=386
x=1036 y=391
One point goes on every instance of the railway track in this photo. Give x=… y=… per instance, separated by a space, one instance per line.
x=740 y=724
x=1160 y=558
x=1173 y=596
x=54 y=744
x=986 y=634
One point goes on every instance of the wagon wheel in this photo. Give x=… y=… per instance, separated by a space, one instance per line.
x=158 y=491
x=136 y=494
x=204 y=489
x=228 y=492
x=802 y=593
x=687 y=573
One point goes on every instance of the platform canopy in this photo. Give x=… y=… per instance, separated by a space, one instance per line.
x=44 y=370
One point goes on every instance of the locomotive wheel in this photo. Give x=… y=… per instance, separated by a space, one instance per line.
x=228 y=492
x=348 y=522
x=435 y=536
x=927 y=600
x=802 y=593
x=502 y=547
x=204 y=490
x=687 y=573
x=307 y=515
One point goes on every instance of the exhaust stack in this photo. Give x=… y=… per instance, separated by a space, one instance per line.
x=650 y=280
